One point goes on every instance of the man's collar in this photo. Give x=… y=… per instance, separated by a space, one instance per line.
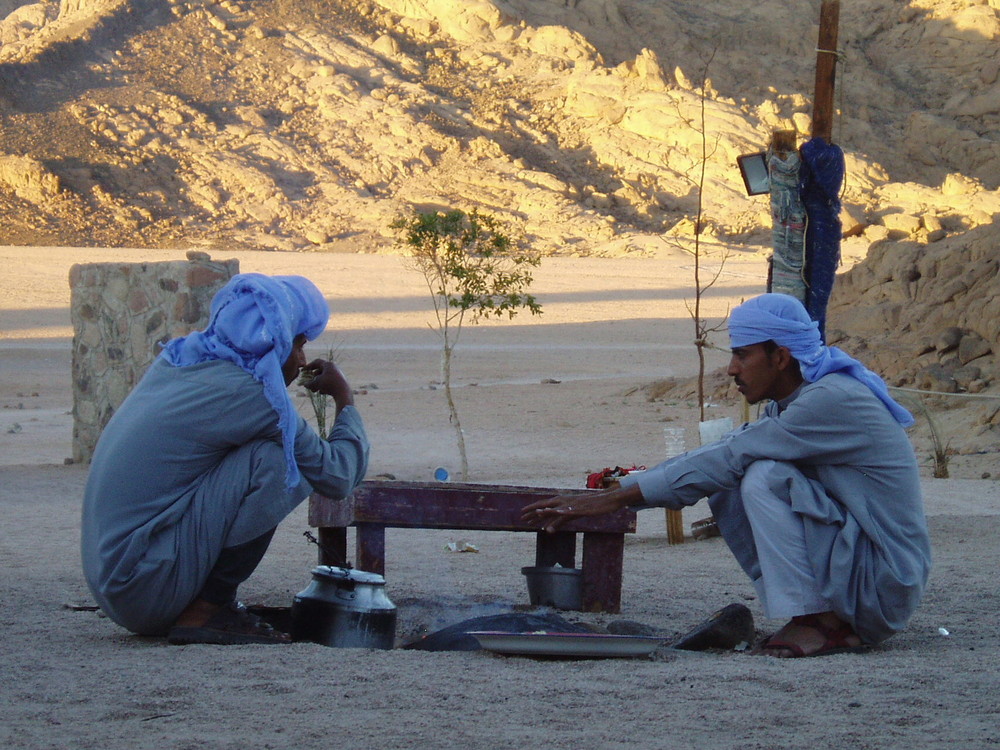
x=783 y=403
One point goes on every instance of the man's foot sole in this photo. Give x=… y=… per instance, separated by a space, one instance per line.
x=835 y=641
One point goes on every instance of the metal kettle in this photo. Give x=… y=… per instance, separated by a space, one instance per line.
x=344 y=608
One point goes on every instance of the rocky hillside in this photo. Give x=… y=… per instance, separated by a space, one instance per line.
x=310 y=124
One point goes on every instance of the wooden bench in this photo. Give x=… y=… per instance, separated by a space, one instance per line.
x=377 y=505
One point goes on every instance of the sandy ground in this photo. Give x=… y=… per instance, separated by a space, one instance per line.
x=73 y=679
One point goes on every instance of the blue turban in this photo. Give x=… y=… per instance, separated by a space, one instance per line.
x=782 y=319
x=254 y=321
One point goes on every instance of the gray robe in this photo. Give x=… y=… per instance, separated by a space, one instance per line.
x=849 y=470
x=191 y=463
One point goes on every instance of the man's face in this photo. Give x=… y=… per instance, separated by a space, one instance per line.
x=296 y=360
x=757 y=372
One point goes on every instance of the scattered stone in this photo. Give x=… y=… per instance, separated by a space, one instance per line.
x=936 y=378
x=317 y=237
x=876 y=233
x=949 y=339
x=972 y=346
x=851 y=225
x=965 y=376
x=28 y=178
x=901 y=222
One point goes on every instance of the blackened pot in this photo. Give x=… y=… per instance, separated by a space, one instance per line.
x=344 y=608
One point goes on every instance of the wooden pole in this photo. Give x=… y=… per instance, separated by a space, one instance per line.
x=675 y=527
x=826 y=70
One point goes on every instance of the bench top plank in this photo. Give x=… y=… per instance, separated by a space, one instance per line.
x=438 y=505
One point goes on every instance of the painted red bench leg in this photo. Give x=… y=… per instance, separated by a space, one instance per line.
x=332 y=545
x=603 y=556
x=371 y=548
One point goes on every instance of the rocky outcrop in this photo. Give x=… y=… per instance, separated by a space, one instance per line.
x=303 y=125
x=925 y=314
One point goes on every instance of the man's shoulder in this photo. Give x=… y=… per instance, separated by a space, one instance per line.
x=213 y=369
x=838 y=388
x=842 y=393
x=838 y=381
x=201 y=378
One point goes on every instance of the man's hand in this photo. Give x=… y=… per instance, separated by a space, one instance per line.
x=328 y=379
x=556 y=511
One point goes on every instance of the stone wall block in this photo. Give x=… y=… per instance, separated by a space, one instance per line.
x=199 y=275
x=138 y=301
x=154 y=323
x=121 y=314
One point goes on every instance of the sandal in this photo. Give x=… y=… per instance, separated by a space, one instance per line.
x=835 y=640
x=231 y=625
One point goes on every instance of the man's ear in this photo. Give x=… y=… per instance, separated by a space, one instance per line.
x=784 y=357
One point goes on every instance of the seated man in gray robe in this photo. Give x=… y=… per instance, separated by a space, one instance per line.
x=819 y=499
x=206 y=456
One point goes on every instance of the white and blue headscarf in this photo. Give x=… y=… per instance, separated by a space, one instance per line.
x=783 y=319
x=254 y=321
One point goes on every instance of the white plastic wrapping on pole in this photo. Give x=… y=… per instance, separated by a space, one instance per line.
x=788 y=225
x=713 y=429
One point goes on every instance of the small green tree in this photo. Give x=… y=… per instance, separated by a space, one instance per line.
x=472 y=267
x=703 y=328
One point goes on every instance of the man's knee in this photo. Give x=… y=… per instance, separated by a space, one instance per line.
x=248 y=468
x=767 y=481
x=264 y=500
x=757 y=478
x=267 y=461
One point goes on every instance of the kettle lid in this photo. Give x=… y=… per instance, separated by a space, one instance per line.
x=334 y=573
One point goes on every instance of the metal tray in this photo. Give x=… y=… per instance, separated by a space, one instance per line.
x=590 y=645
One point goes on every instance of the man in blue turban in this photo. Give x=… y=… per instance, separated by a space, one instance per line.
x=206 y=456
x=819 y=499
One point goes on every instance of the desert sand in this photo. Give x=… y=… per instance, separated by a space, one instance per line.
x=543 y=401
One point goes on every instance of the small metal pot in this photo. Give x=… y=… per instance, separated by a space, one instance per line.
x=555 y=586
x=344 y=608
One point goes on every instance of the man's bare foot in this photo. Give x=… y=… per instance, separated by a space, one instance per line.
x=811 y=635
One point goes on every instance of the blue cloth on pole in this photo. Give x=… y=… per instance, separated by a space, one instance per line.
x=820 y=178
